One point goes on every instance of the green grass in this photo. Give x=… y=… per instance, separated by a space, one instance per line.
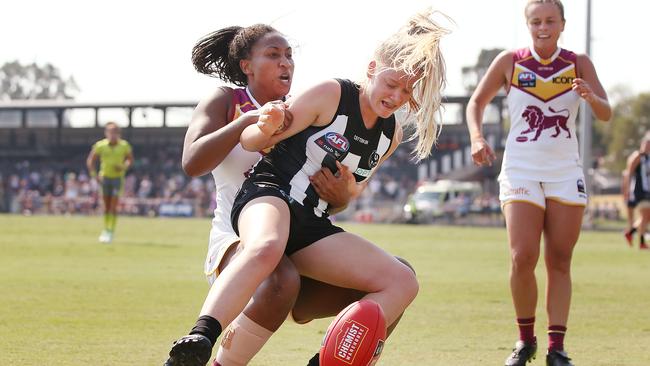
x=67 y=300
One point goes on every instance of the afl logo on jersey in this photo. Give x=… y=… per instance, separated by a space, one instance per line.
x=334 y=143
x=337 y=141
x=527 y=79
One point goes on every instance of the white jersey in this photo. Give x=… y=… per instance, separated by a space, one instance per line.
x=542 y=144
x=228 y=178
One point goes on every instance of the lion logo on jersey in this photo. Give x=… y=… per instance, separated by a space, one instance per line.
x=538 y=122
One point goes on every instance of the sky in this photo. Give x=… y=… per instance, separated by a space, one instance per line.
x=139 y=51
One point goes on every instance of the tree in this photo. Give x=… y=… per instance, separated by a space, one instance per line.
x=32 y=81
x=630 y=121
x=473 y=74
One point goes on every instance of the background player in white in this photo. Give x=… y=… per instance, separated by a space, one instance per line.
x=541 y=181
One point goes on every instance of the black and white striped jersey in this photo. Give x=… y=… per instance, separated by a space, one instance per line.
x=640 y=182
x=346 y=139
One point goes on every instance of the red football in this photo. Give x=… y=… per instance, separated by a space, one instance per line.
x=356 y=337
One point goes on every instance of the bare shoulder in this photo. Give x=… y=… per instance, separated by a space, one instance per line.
x=318 y=103
x=633 y=160
x=221 y=96
x=216 y=106
x=584 y=64
x=504 y=59
x=582 y=58
x=506 y=55
x=330 y=87
x=497 y=76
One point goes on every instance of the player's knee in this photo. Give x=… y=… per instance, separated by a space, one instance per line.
x=405 y=281
x=559 y=261
x=523 y=261
x=284 y=281
x=265 y=253
x=406 y=263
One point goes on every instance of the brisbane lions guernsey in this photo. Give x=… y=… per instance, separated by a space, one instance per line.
x=346 y=139
x=542 y=144
x=228 y=178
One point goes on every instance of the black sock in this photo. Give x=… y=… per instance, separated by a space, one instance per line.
x=632 y=231
x=314 y=361
x=208 y=327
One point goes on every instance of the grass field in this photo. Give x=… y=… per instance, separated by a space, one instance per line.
x=67 y=300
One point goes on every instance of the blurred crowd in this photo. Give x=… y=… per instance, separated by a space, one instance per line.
x=155 y=186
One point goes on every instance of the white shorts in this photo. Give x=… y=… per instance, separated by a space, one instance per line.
x=219 y=245
x=570 y=192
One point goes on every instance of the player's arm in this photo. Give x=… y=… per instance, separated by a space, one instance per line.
x=128 y=160
x=90 y=163
x=278 y=121
x=625 y=185
x=496 y=77
x=210 y=136
x=588 y=86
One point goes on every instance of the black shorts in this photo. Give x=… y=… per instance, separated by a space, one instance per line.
x=644 y=203
x=305 y=227
x=112 y=187
x=638 y=197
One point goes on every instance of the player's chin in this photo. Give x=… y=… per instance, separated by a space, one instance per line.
x=385 y=113
x=282 y=87
x=385 y=109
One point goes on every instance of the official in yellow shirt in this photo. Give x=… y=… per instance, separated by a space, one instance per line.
x=115 y=158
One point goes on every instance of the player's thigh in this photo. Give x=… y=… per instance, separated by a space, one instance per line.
x=565 y=205
x=347 y=260
x=524 y=223
x=561 y=232
x=523 y=206
x=644 y=211
x=264 y=222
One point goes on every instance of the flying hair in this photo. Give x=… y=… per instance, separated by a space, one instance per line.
x=415 y=50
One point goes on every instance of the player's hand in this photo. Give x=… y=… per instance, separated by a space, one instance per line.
x=583 y=89
x=482 y=153
x=288 y=119
x=271 y=118
x=334 y=189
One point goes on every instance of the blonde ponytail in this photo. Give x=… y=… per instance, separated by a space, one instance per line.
x=415 y=50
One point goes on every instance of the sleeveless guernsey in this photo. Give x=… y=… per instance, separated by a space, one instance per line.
x=346 y=139
x=542 y=144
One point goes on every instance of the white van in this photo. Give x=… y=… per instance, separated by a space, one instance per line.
x=443 y=198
